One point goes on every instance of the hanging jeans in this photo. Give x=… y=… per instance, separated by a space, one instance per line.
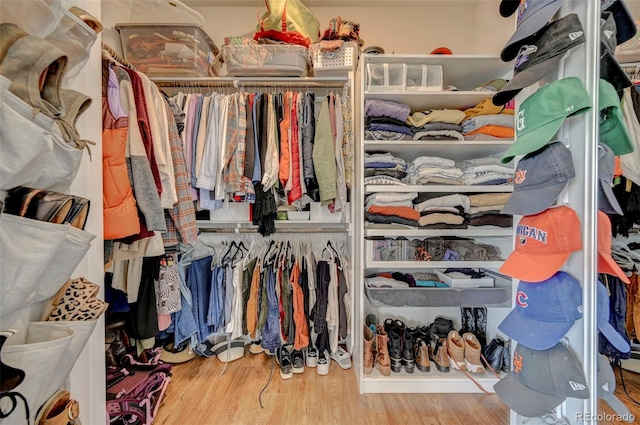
x=199 y=282
x=617 y=317
x=271 y=330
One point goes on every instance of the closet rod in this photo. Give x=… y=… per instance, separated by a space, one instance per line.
x=238 y=82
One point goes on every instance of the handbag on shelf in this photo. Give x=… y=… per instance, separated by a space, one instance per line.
x=289 y=21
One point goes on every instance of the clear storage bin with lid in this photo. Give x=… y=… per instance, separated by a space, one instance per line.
x=383 y=77
x=160 y=50
x=265 y=60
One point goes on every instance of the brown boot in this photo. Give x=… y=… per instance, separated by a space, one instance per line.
x=438 y=353
x=383 y=362
x=422 y=355
x=367 y=351
x=472 y=350
x=455 y=350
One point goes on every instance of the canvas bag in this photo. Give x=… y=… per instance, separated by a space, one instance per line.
x=289 y=21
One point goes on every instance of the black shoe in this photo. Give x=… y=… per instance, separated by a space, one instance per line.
x=408 y=357
x=283 y=357
x=297 y=359
x=394 y=345
x=441 y=327
x=506 y=357
x=494 y=354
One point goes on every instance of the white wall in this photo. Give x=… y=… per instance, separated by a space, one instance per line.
x=466 y=27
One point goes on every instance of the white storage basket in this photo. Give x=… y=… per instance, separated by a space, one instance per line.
x=335 y=62
x=421 y=77
x=383 y=77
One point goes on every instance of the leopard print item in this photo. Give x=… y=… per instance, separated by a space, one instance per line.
x=76 y=301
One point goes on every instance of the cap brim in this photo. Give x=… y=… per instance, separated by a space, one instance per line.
x=533 y=201
x=607 y=201
x=532 y=140
x=607 y=265
x=614 y=337
x=532 y=268
x=611 y=71
x=523 y=400
x=618 y=407
x=527 y=28
x=525 y=79
x=531 y=333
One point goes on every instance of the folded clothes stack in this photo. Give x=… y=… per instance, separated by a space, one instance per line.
x=391 y=208
x=384 y=168
x=486 y=121
x=484 y=210
x=386 y=120
x=437 y=124
x=433 y=170
x=486 y=171
x=443 y=212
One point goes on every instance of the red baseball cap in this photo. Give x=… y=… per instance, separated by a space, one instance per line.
x=441 y=51
x=606 y=264
x=544 y=242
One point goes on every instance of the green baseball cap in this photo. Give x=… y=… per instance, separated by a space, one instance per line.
x=613 y=131
x=541 y=115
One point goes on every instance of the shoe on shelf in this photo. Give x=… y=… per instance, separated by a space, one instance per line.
x=506 y=357
x=493 y=354
x=455 y=350
x=480 y=315
x=468 y=320
x=383 y=363
x=311 y=356
x=422 y=355
x=408 y=357
x=374 y=345
x=472 y=350
x=440 y=327
x=368 y=356
x=283 y=358
x=438 y=353
x=297 y=360
x=395 y=351
x=323 y=363
x=342 y=357
x=371 y=319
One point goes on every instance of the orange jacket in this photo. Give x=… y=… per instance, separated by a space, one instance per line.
x=296 y=190
x=120 y=212
x=285 y=150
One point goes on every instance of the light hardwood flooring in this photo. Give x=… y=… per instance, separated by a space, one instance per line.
x=202 y=394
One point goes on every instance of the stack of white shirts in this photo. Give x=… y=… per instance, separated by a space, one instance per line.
x=486 y=171
x=433 y=170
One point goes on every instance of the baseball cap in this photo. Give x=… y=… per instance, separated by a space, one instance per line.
x=606 y=263
x=544 y=311
x=539 y=178
x=540 y=54
x=541 y=115
x=606 y=380
x=543 y=243
x=610 y=69
x=604 y=326
x=612 y=130
x=532 y=15
x=441 y=51
x=607 y=201
x=541 y=380
x=624 y=21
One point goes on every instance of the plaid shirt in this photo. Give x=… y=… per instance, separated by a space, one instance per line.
x=181 y=219
x=236 y=182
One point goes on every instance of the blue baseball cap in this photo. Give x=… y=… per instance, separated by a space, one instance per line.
x=544 y=311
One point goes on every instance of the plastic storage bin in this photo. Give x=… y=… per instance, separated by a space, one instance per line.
x=265 y=60
x=420 y=77
x=169 y=49
x=335 y=62
x=383 y=77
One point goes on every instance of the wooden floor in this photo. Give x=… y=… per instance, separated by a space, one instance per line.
x=201 y=394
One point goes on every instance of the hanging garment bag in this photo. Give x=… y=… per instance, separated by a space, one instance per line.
x=289 y=21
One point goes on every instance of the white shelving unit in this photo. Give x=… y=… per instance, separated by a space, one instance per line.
x=463 y=72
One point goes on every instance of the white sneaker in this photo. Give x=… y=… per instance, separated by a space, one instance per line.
x=323 y=363
x=311 y=356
